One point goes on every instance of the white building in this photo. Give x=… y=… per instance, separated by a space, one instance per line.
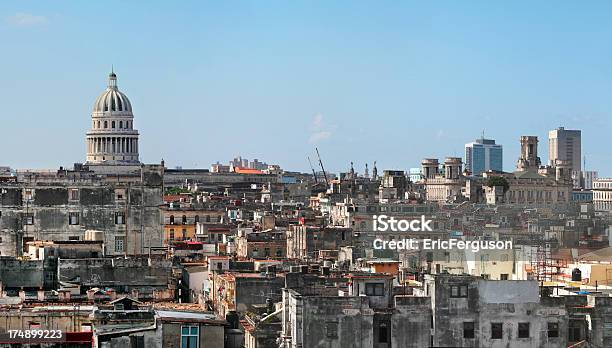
x=112 y=139
x=565 y=144
x=602 y=194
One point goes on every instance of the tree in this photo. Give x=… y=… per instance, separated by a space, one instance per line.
x=498 y=181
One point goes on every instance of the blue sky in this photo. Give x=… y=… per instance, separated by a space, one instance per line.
x=388 y=81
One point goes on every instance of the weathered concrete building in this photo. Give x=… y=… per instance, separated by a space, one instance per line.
x=63 y=205
x=152 y=278
x=473 y=312
x=305 y=241
x=364 y=315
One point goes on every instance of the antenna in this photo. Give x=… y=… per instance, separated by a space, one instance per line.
x=314 y=174
x=322 y=168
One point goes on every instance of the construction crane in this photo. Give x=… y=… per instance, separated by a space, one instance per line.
x=321 y=163
x=314 y=174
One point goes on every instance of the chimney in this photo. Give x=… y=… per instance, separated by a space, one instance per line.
x=40 y=295
x=64 y=295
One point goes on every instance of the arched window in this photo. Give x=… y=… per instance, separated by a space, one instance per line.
x=184 y=219
x=113 y=124
x=120 y=124
x=207 y=218
x=196 y=219
x=171 y=219
x=105 y=124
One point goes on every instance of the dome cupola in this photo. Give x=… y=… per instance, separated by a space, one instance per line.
x=112 y=139
x=112 y=100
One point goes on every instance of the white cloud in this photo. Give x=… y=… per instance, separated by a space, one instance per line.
x=26 y=19
x=317 y=122
x=319 y=130
x=318 y=136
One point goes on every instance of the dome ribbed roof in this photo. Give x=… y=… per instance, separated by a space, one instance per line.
x=112 y=99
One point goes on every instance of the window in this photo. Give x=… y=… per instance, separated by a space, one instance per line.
x=574 y=332
x=331 y=329
x=468 y=329
x=503 y=276
x=171 y=219
x=523 y=330
x=105 y=124
x=113 y=124
x=120 y=124
x=279 y=252
x=184 y=233
x=119 y=218
x=207 y=218
x=119 y=242
x=73 y=218
x=459 y=291
x=172 y=234
x=28 y=219
x=496 y=331
x=383 y=333
x=73 y=194
x=553 y=330
x=119 y=194
x=196 y=218
x=184 y=220
x=190 y=336
x=73 y=237
x=375 y=289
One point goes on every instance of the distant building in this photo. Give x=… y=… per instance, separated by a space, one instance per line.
x=602 y=194
x=416 y=174
x=584 y=179
x=392 y=186
x=482 y=155
x=443 y=185
x=565 y=144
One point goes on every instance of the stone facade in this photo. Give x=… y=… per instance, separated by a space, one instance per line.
x=64 y=204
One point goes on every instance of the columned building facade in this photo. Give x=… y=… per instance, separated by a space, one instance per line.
x=112 y=139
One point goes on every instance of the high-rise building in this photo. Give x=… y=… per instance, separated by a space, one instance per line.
x=564 y=144
x=482 y=155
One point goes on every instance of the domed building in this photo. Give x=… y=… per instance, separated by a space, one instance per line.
x=112 y=139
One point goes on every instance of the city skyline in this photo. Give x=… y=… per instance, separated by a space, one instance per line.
x=231 y=78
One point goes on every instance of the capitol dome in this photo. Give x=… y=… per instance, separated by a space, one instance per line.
x=112 y=139
x=112 y=99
